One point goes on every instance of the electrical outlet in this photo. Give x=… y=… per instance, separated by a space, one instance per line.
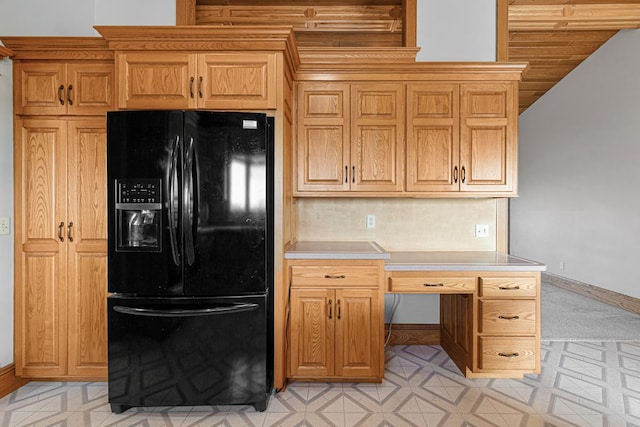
x=482 y=230
x=4 y=225
x=371 y=221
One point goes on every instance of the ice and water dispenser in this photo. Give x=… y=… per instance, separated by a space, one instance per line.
x=139 y=215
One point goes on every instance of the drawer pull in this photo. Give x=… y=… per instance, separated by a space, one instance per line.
x=509 y=288
x=329 y=276
x=338 y=309
x=330 y=309
x=514 y=354
x=508 y=317
x=433 y=285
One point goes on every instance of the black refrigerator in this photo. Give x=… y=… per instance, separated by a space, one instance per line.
x=190 y=266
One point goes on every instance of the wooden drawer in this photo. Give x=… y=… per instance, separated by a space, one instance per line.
x=508 y=287
x=432 y=285
x=500 y=353
x=515 y=317
x=328 y=276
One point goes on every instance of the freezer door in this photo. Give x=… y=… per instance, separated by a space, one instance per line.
x=144 y=155
x=227 y=198
x=188 y=351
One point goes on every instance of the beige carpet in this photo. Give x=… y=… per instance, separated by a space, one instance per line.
x=567 y=316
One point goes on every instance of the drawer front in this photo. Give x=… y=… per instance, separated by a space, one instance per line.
x=508 y=317
x=334 y=276
x=432 y=285
x=499 y=353
x=508 y=287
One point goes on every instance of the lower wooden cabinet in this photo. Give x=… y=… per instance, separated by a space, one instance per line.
x=336 y=321
x=508 y=317
x=60 y=248
x=489 y=321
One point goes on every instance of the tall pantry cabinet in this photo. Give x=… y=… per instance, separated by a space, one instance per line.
x=62 y=90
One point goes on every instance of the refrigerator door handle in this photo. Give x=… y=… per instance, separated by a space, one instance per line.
x=211 y=311
x=173 y=179
x=188 y=203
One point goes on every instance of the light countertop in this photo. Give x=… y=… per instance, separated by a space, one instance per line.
x=412 y=261
x=336 y=250
x=460 y=261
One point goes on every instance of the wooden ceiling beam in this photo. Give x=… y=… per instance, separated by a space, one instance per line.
x=552 y=17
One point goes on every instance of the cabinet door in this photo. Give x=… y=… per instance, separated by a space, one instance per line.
x=489 y=114
x=312 y=332
x=359 y=349
x=323 y=147
x=156 y=81
x=433 y=143
x=377 y=137
x=89 y=88
x=237 y=81
x=40 y=88
x=87 y=241
x=40 y=248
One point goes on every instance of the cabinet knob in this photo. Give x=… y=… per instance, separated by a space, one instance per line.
x=60 y=227
x=69 y=232
x=60 y=90
x=69 y=89
x=433 y=285
x=514 y=354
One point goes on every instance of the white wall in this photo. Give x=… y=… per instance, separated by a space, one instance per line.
x=456 y=30
x=53 y=18
x=579 y=177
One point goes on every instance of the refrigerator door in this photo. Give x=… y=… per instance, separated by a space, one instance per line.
x=144 y=189
x=227 y=200
x=188 y=351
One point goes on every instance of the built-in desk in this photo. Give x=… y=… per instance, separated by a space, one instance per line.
x=489 y=302
x=489 y=306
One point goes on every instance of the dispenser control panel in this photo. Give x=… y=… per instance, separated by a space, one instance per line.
x=139 y=191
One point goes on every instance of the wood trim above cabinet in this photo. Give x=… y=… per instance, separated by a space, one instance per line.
x=4 y=52
x=58 y=48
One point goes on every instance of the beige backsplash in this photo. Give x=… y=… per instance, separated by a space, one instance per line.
x=401 y=224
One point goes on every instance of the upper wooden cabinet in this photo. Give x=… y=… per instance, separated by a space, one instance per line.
x=350 y=137
x=59 y=88
x=232 y=80
x=461 y=137
x=61 y=75
x=430 y=130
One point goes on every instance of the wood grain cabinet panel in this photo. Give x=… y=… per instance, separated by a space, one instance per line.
x=61 y=248
x=336 y=322
x=488 y=135
x=193 y=80
x=350 y=137
x=461 y=137
x=508 y=354
x=61 y=88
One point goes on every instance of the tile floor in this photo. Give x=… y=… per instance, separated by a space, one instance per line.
x=581 y=384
